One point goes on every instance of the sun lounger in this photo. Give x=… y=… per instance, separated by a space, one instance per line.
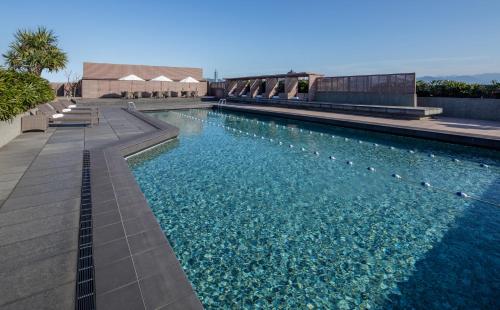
x=82 y=117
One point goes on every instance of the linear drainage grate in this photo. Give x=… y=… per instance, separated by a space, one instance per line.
x=85 y=287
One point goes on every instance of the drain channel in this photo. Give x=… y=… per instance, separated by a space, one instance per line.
x=85 y=287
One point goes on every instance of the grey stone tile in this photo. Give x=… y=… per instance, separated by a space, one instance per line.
x=139 y=224
x=190 y=302
x=104 y=206
x=32 y=229
x=127 y=297
x=108 y=233
x=26 y=252
x=164 y=288
x=7 y=177
x=106 y=218
x=134 y=210
x=16 y=216
x=156 y=260
x=37 y=277
x=31 y=179
x=73 y=183
x=111 y=252
x=114 y=275
x=146 y=240
x=45 y=198
x=59 y=298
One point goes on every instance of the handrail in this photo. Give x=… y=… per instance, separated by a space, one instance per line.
x=131 y=105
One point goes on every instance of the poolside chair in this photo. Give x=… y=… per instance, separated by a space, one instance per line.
x=166 y=94
x=174 y=94
x=146 y=94
x=193 y=94
x=34 y=123
x=137 y=95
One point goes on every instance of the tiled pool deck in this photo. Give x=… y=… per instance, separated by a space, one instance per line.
x=40 y=179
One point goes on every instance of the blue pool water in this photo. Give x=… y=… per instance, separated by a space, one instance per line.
x=257 y=223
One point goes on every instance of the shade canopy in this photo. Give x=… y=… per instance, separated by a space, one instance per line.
x=161 y=78
x=131 y=77
x=189 y=80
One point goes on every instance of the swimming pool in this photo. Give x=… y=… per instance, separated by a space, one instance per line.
x=268 y=212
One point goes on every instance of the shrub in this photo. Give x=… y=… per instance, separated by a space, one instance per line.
x=21 y=91
x=446 y=88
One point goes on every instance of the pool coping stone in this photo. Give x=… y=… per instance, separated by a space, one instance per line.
x=126 y=231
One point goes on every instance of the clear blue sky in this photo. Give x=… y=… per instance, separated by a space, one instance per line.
x=436 y=37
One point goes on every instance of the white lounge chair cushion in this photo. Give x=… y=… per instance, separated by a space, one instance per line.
x=57 y=115
x=66 y=110
x=72 y=106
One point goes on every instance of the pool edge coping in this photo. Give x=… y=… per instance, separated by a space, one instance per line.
x=112 y=183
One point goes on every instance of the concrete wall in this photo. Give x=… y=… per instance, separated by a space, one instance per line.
x=10 y=129
x=407 y=100
x=471 y=108
x=110 y=88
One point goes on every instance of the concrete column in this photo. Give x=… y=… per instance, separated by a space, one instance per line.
x=291 y=87
x=312 y=86
x=271 y=85
x=254 y=88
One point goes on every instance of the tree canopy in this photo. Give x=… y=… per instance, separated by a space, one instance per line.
x=34 y=51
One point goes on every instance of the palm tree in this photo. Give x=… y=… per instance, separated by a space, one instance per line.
x=35 y=51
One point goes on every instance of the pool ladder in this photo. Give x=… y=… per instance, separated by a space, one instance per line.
x=131 y=105
x=221 y=102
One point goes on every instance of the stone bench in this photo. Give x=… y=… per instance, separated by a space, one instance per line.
x=399 y=112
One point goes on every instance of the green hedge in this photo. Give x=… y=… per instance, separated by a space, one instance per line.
x=20 y=91
x=445 y=88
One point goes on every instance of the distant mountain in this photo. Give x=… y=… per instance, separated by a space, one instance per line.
x=483 y=78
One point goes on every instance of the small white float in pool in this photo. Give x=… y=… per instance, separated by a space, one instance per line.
x=371 y=169
x=303 y=149
x=375 y=144
x=412 y=151
x=426 y=184
x=349 y=162
x=484 y=165
x=360 y=141
x=280 y=143
x=456 y=160
x=397 y=176
x=432 y=155
x=332 y=157
x=393 y=148
x=333 y=136
x=316 y=153
x=270 y=140
x=346 y=139
x=290 y=146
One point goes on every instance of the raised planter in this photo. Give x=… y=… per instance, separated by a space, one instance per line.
x=10 y=129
